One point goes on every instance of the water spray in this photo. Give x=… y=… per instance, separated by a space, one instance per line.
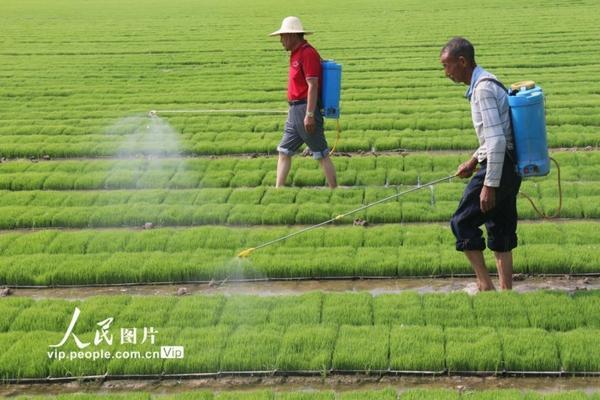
x=248 y=252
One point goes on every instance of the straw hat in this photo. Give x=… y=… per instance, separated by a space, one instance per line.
x=290 y=25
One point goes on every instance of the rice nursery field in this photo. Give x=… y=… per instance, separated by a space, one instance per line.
x=318 y=333
x=94 y=191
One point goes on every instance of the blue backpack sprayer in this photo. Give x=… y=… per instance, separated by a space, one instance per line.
x=331 y=87
x=528 y=122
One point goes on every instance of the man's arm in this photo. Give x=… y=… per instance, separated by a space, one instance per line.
x=311 y=104
x=495 y=144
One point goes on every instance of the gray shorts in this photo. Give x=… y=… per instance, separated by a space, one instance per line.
x=294 y=134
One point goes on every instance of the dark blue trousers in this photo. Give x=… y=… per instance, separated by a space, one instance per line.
x=500 y=222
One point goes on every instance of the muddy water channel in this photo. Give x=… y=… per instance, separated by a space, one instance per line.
x=308 y=384
x=269 y=288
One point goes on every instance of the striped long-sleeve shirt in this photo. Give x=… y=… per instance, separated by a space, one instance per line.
x=491 y=119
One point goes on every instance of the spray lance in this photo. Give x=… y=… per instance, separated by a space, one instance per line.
x=246 y=253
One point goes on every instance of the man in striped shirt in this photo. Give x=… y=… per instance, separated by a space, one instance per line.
x=490 y=198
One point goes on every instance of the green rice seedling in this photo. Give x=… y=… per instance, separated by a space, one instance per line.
x=303 y=309
x=346 y=177
x=139 y=214
x=496 y=394
x=6 y=240
x=318 y=195
x=72 y=217
x=312 y=213
x=184 y=179
x=153 y=197
x=81 y=199
x=184 y=197
x=430 y=394
x=216 y=179
x=385 y=213
x=418 y=212
x=122 y=179
x=122 y=396
x=108 y=216
x=149 y=240
x=8 y=198
x=98 y=308
x=255 y=236
x=580 y=350
x=59 y=181
x=247 y=310
x=400 y=177
x=245 y=214
x=176 y=215
x=500 y=309
x=280 y=196
x=30 y=181
x=452 y=309
x=424 y=261
x=48 y=199
x=529 y=350
x=347 y=308
x=81 y=366
x=375 y=194
x=254 y=395
x=279 y=214
x=416 y=348
x=349 y=196
x=154 y=179
x=28 y=269
x=203 y=348
x=7 y=340
x=453 y=262
x=588 y=304
x=552 y=311
x=27 y=357
x=253 y=348
x=307 y=395
x=108 y=241
x=384 y=394
x=160 y=267
x=112 y=197
x=473 y=349
x=363 y=348
x=246 y=196
x=144 y=366
x=375 y=177
x=72 y=270
x=10 y=308
x=218 y=237
x=46 y=315
x=307 y=348
x=89 y=181
x=31 y=243
x=195 y=395
x=404 y=308
x=211 y=214
x=147 y=312
x=382 y=261
x=308 y=177
x=247 y=178
x=196 y=311
x=188 y=239
x=383 y=236
x=212 y=196
x=344 y=236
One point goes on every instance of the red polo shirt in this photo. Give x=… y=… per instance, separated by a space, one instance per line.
x=305 y=62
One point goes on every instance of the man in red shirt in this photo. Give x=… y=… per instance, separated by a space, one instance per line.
x=305 y=121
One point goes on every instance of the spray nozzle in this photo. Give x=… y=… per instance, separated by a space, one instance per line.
x=152 y=113
x=246 y=253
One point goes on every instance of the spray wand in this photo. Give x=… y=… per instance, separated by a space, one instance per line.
x=246 y=253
